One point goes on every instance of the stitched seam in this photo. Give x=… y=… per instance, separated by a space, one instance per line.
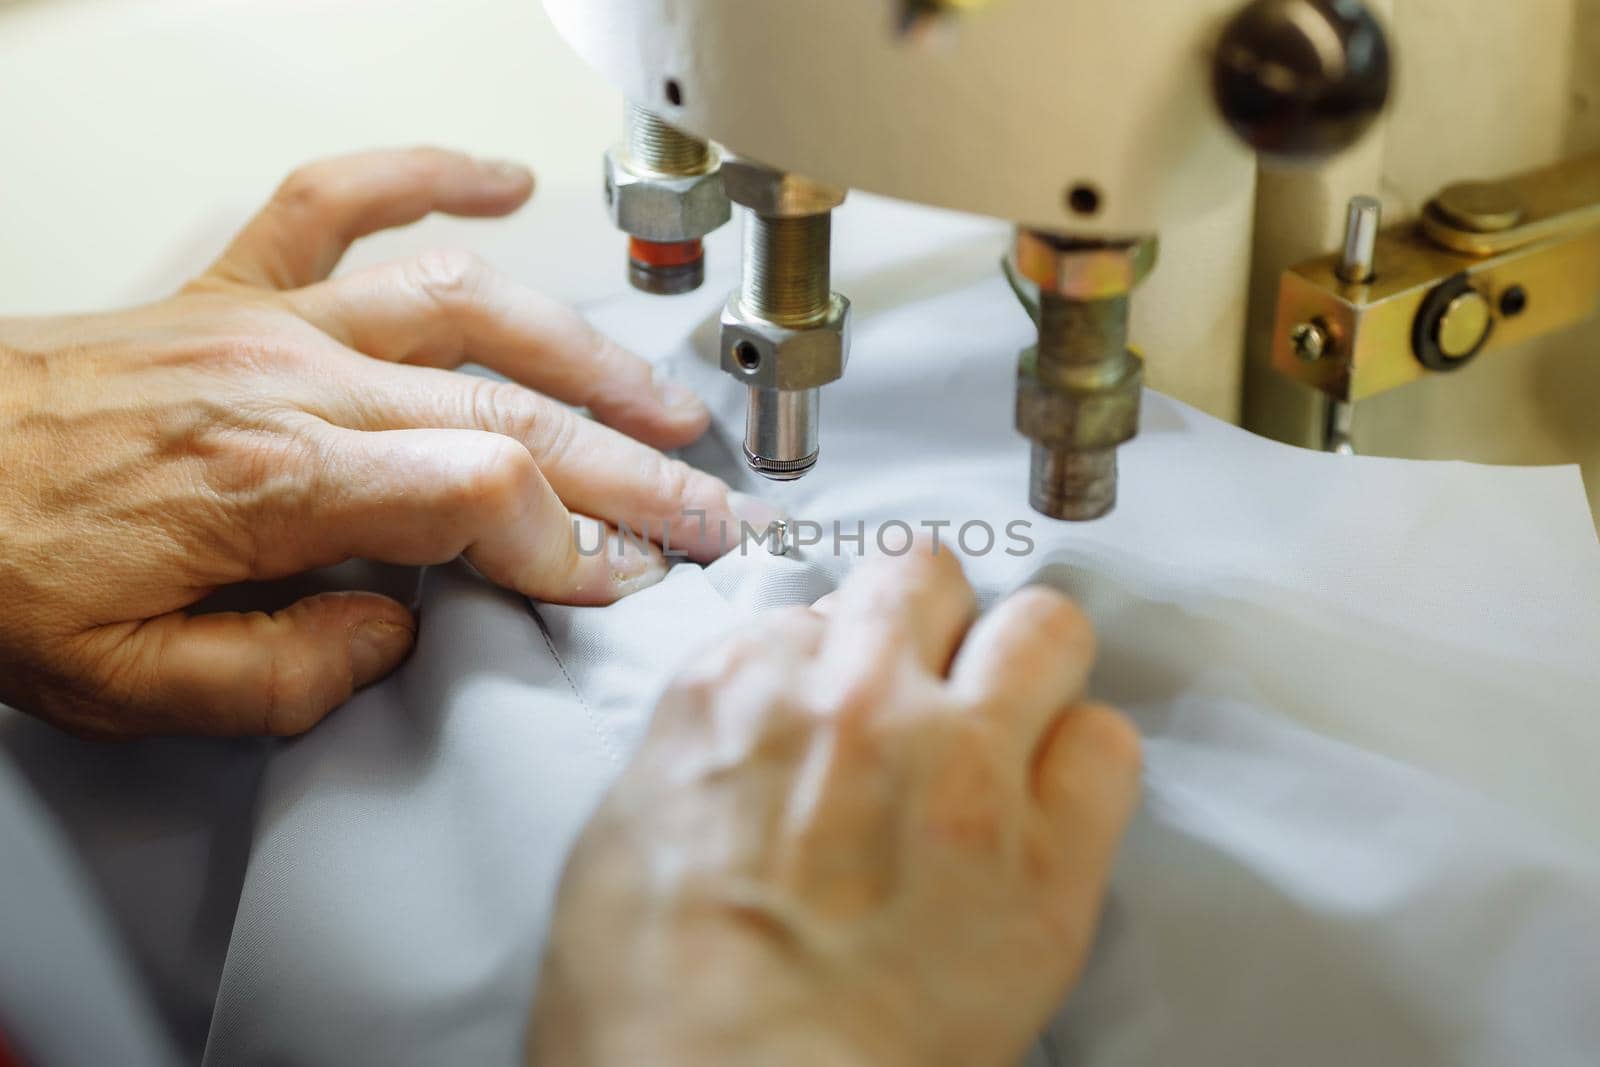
x=597 y=721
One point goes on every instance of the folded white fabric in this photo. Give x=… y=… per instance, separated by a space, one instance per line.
x=1370 y=691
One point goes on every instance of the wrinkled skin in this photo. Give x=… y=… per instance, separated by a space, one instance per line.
x=858 y=834
x=266 y=421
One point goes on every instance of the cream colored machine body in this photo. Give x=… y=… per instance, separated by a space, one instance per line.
x=1106 y=131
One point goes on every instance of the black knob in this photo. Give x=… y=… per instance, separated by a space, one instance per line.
x=1302 y=79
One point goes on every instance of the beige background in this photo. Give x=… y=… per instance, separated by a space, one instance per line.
x=135 y=134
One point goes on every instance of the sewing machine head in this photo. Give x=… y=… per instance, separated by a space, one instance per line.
x=1090 y=125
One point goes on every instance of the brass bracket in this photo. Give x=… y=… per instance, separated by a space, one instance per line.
x=1489 y=265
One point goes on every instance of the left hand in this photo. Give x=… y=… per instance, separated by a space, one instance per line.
x=861 y=835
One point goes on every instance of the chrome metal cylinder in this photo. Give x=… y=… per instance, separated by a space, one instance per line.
x=780 y=439
x=1358 y=264
x=1338 y=429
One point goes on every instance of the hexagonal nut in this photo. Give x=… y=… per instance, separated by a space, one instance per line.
x=775 y=193
x=769 y=356
x=657 y=207
x=1079 y=419
x=1084 y=270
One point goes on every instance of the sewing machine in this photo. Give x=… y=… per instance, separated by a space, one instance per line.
x=1104 y=131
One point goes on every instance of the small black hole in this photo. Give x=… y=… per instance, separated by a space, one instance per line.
x=1514 y=301
x=674 y=92
x=1084 y=199
x=747 y=355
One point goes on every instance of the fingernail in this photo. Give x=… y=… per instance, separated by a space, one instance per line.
x=634 y=568
x=754 y=511
x=376 y=648
x=677 y=396
x=507 y=169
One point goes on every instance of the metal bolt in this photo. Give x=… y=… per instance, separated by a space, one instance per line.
x=1088 y=381
x=1311 y=341
x=785 y=287
x=656 y=147
x=786 y=281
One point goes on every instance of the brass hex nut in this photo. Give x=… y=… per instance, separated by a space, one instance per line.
x=769 y=356
x=664 y=208
x=775 y=193
x=1084 y=270
x=1078 y=419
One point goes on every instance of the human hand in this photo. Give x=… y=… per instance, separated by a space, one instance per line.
x=267 y=421
x=859 y=834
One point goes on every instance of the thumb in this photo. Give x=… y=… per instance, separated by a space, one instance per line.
x=256 y=674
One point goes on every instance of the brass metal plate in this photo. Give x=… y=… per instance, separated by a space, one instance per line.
x=1370 y=326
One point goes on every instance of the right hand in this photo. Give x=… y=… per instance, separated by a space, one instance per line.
x=872 y=833
x=266 y=421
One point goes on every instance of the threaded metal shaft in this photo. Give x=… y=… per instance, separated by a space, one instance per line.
x=787 y=268
x=1082 y=344
x=657 y=145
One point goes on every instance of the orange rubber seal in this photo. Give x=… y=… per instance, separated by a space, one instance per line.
x=672 y=254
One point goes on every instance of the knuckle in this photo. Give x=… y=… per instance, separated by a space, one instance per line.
x=263 y=471
x=673 y=478
x=1052 y=617
x=515 y=412
x=449 y=278
x=499 y=480
x=253 y=486
x=685 y=488
x=293 y=698
x=305 y=190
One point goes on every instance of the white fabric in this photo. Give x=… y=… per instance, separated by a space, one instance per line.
x=1369 y=688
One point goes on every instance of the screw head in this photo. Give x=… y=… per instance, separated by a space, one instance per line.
x=1311 y=341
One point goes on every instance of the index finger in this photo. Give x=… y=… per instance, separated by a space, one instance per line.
x=324 y=207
